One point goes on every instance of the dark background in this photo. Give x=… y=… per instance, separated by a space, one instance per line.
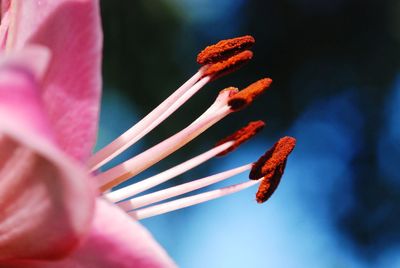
x=335 y=66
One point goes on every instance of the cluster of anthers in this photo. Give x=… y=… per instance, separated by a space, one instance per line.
x=217 y=60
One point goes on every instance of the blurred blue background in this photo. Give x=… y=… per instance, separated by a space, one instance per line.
x=335 y=66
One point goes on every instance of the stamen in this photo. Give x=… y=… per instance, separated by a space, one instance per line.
x=137 y=164
x=189 y=201
x=148 y=183
x=241 y=136
x=180 y=189
x=246 y=96
x=225 y=49
x=221 y=101
x=172 y=103
x=228 y=144
x=149 y=122
x=228 y=66
x=268 y=187
x=271 y=166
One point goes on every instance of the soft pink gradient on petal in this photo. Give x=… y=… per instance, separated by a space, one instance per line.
x=114 y=241
x=46 y=202
x=71 y=90
x=34 y=58
x=5 y=22
x=20 y=100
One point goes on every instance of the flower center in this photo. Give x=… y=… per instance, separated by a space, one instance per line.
x=218 y=60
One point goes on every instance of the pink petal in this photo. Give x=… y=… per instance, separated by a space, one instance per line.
x=114 y=241
x=46 y=203
x=34 y=58
x=5 y=22
x=71 y=90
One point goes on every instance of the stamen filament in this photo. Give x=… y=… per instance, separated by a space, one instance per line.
x=149 y=122
x=162 y=177
x=220 y=102
x=148 y=199
x=189 y=201
x=137 y=164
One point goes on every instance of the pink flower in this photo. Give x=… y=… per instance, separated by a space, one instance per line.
x=48 y=125
x=55 y=211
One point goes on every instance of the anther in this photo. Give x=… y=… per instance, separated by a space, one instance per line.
x=229 y=65
x=225 y=49
x=241 y=136
x=271 y=166
x=246 y=96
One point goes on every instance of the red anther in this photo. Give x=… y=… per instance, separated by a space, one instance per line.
x=228 y=66
x=271 y=166
x=246 y=96
x=225 y=49
x=241 y=136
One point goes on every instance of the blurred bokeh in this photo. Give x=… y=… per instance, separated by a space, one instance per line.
x=335 y=66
